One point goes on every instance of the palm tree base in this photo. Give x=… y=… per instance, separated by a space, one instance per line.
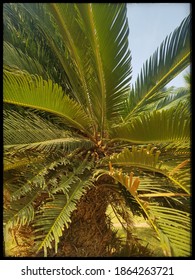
x=91 y=233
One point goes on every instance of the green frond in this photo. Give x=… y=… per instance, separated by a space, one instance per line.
x=171 y=225
x=28 y=131
x=144 y=157
x=171 y=125
x=76 y=45
x=22 y=28
x=187 y=78
x=14 y=162
x=34 y=92
x=167 y=62
x=27 y=127
x=22 y=180
x=15 y=58
x=173 y=98
x=74 y=176
x=176 y=226
x=37 y=178
x=107 y=30
x=181 y=176
x=55 y=215
x=96 y=39
x=65 y=144
x=21 y=212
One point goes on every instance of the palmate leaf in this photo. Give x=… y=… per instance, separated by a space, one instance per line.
x=171 y=125
x=34 y=92
x=55 y=215
x=168 y=61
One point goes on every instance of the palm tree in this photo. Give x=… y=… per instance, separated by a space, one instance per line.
x=79 y=139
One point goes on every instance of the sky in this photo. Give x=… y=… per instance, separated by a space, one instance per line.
x=149 y=24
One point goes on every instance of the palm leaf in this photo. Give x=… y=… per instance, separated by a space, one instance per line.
x=15 y=58
x=187 y=78
x=107 y=29
x=143 y=157
x=27 y=131
x=171 y=225
x=176 y=226
x=171 y=125
x=173 y=98
x=73 y=59
x=21 y=212
x=73 y=177
x=65 y=16
x=49 y=146
x=26 y=127
x=37 y=178
x=56 y=215
x=181 y=175
x=14 y=162
x=166 y=99
x=34 y=92
x=27 y=47
x=168 y=61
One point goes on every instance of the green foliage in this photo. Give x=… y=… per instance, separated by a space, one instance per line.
x=170 y=222
x=73 y=122
x=34 y=92
x=55 y=214
x=168 y=60
x=144 y=157
x=166 y=221
x=171 y=125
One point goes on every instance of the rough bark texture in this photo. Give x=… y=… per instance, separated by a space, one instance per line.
x=90 y=234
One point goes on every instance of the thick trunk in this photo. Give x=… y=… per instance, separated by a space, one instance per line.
x=89 y=234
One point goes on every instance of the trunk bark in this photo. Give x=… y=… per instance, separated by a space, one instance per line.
x=90 y=234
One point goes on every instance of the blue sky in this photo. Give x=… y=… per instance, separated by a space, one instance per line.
x=149 y=24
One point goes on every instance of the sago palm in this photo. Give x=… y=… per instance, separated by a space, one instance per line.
x=79 y=139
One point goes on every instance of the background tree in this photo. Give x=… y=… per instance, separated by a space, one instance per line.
x=78 y=138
